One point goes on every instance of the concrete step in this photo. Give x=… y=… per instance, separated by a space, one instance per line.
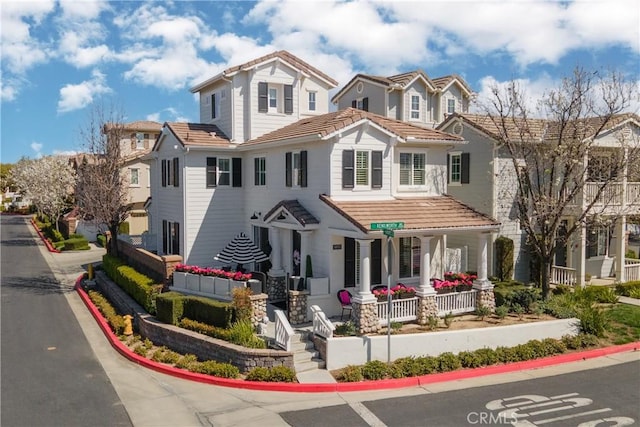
x=310 y=365
x=301 y=346
x=303 y=356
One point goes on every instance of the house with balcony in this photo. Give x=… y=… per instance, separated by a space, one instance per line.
x=482 y=174
x=412 y=97
x=360 y=195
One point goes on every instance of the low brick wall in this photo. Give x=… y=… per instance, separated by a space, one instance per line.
x=185 y=341
x=159 y=268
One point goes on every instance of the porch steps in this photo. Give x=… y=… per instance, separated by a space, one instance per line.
x=309 y=367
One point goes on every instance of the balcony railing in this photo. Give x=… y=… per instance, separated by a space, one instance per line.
x=612 y=195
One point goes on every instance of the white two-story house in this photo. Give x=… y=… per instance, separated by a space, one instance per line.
x=482 y=175
x=411 y=97
x=272 y=162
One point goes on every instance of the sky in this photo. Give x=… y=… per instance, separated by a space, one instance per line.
x=60 y=58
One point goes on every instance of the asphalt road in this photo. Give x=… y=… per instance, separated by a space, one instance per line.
x=50 y=376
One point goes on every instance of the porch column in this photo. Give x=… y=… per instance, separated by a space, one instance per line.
x=364 y=303
x=581 y=261
x=427 y=303
x=425 y=264
x=276 y=251
x=484 y=296
x=621 y=225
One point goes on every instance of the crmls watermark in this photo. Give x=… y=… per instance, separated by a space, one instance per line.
x=491 y=418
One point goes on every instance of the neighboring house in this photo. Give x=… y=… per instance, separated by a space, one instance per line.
x=411 y=97
x=304 y=181
x=482 y=175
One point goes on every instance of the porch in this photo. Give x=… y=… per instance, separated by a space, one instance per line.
x=569 y=276
x=406 y=309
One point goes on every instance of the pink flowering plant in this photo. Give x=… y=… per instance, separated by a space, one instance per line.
x=398 y=291
x=454 y=282
x=215 y=272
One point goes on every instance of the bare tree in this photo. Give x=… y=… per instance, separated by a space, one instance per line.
x=102 y=190
x=557 y=156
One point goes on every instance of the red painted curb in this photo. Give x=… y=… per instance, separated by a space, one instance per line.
x=343 y=387
x=44 y=239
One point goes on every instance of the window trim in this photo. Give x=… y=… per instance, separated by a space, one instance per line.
x=413 y=110
x=260 y=171
x=356 y=168
x=415 y=246
x=312 y=102
x=451 y=156
x=131 y=183
x=412 y=170
x=451 y=102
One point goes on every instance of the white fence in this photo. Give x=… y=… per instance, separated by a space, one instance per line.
x=284 y=331
x=145 y=241
x=456 y=302
x=563 y=275
x=631 y=269
x=402 y=310
x=321 y=325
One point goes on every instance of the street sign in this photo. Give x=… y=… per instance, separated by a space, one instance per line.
x=397 y=225
x=388 y=233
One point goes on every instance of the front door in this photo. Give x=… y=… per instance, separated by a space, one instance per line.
x=296 y=262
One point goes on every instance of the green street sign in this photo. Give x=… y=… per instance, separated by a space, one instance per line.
x=388 y=233
x=397 y=225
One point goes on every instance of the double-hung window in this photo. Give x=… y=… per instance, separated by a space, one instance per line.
x=170 y=237
x=134 y=179
x=458 y=165
x=451 y=106
x=362 y=168
x=140 y=138
x=409 y=257
x=224 y=171
x=412 y=169
x=415 y=107
x=273 y=99
x=312 y=101
x=170 y=170
x=296 y=168
x=260 y=171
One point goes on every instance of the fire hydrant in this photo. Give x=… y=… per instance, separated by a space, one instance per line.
x=128 y=325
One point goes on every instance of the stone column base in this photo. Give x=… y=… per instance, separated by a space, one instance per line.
x=365 y=317
x=485 y=296
x=276 y=287
x=298 y=307
x=427 y=307
x=258 y=308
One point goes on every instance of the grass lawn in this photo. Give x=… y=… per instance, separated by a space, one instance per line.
x=624 y=323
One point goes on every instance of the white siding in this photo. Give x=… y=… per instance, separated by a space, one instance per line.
x=417 y=88
x=375 y=93
x=223 y=121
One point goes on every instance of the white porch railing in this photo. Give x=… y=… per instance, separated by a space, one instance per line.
x=284 y=331
x=402 y=310
x=563 y=275
x=631 y=269
x=145 y=241
x=633 y=193
x=321 y=325
x=456 y=302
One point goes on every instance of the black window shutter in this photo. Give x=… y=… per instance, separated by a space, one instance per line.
x=213 y=105
x=448 y=167
x=164 y=172
x=347 y=168
x=256 y=171
x=349 y=262
x=176 y=172
x=464 y=176
x=236 y=175
x=376 y=172
x=365 y=104
x=354 y=103
x=287 y=170
x=212 y=171
x=176 y=238
x=288 y=99
x=303 y=168
x=262 y=97
x=164 y=236
x=376 y=262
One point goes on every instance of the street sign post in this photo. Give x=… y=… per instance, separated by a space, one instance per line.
x=391 y=225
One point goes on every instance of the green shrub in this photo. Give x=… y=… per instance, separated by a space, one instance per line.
x=625 y=288
x=170 y=307
x=164 y=355
x=76 y=244
x=259 y=373
x=507 y=354
x=216 y=369
x=101 y=240
x=486 y=356
x=631 y=254
x=469 y=359
x=348 y=328
x=104 y=306
x=53 y=234
x=503 y=292
x=524 y=352
x=562 y=306
x=634 y=293
x=502 y=312
x=58 y=245
x=186 y=361
x=280 y=374
x=448 y=319
x=209 y=311
x=350 y=374
x=561 y=290
x=203 y=328
x=482 y=311
x=525 y=298
x=504 y=257
x=592 y=321
x=601 y=294
x=374 y=370
x=518 y=310
x=405 y=367
x=242 y=303
x=553 y=346
x=123 y=228
x=138 y=286
x=580 y=341
x=141 y=350
x=428 y=364
x=242 y=333
x=448 y=362
x=432 y=323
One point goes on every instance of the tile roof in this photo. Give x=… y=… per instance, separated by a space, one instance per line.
x=198 y=134
x=140 y=125
x=295 y=208
x=538 y=129
x=406 y=78
x=282 y=54
x=326 y=124
x=442 y=82
x=427 y=213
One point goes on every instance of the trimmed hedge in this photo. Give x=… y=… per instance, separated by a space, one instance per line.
x=280 y=374
x=170 y=307
x=101 y=239
x=504 y=257
x=104 y=306
x=76 y=244
x=138 y=286
x=209 y=311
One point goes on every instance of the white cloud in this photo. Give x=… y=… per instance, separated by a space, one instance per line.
x=37 y=148
x=74 y=50
x=169 y=114
x=83 y=9
x=75 y=97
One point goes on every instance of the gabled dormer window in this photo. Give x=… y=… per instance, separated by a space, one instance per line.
x=415 y=107
x=275 y=98
x=361 y=103
x=451 y=106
